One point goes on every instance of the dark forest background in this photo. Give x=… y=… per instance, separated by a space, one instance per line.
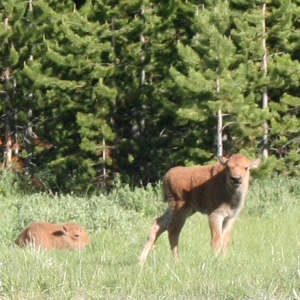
x=96 y=91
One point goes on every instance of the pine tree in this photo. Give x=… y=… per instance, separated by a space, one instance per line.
x=6 y=87
x=212 y=80
x=145 y=44
x=284 y=87
x=16 y=49
x=134 y=87
x=60 y=63
x=74 y=99
x=271 y=81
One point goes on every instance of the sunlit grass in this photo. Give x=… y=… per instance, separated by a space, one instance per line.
x=263 y=261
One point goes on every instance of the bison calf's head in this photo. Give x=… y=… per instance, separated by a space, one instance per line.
x=238 y=169
x=73 y=236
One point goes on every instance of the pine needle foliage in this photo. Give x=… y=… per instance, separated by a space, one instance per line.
x=93 y=90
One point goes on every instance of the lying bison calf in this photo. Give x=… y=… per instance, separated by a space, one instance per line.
x=48 y=235
x=218 y=190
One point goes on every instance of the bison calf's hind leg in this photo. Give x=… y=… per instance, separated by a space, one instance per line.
x=176 y=224
x=158 y=227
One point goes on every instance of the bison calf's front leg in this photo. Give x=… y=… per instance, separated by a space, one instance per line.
x=227 y=226
x=220 y=232
x=216 y=228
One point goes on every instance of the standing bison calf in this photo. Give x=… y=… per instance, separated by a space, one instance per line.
x=218 y=190
x=48 y=235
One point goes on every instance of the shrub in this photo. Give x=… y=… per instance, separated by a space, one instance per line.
x=277 y=193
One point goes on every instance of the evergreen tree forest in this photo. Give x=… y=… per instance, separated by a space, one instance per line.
x=96 y=90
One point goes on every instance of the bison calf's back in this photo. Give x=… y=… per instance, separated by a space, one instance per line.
x=48 y=235
x=218 y=190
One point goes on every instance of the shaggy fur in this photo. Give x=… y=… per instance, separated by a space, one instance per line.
x=217 y=190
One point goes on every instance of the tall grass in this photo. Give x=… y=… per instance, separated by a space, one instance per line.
x=263 y=261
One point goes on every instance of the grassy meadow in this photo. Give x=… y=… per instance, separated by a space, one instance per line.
x=262 y=263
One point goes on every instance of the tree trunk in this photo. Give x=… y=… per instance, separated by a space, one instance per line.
x=265 y=93
x=29 y=131
x=7 y=112
x=219 y=135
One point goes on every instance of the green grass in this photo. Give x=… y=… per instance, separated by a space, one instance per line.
x=263 y=261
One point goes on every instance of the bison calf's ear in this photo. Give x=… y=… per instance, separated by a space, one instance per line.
x=222 y=160
x=64 y=231
x=255 y=163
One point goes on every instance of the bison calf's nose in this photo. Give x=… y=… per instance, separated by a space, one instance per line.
x=236 y=179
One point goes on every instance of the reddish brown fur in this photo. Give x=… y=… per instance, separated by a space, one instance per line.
x=48 y=235
x=218 y=190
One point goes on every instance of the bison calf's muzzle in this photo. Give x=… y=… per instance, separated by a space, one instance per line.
x=236 y=180
x=218 y=190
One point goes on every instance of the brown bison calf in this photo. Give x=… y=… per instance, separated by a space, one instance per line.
x=48 y=235
x=218 y=190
